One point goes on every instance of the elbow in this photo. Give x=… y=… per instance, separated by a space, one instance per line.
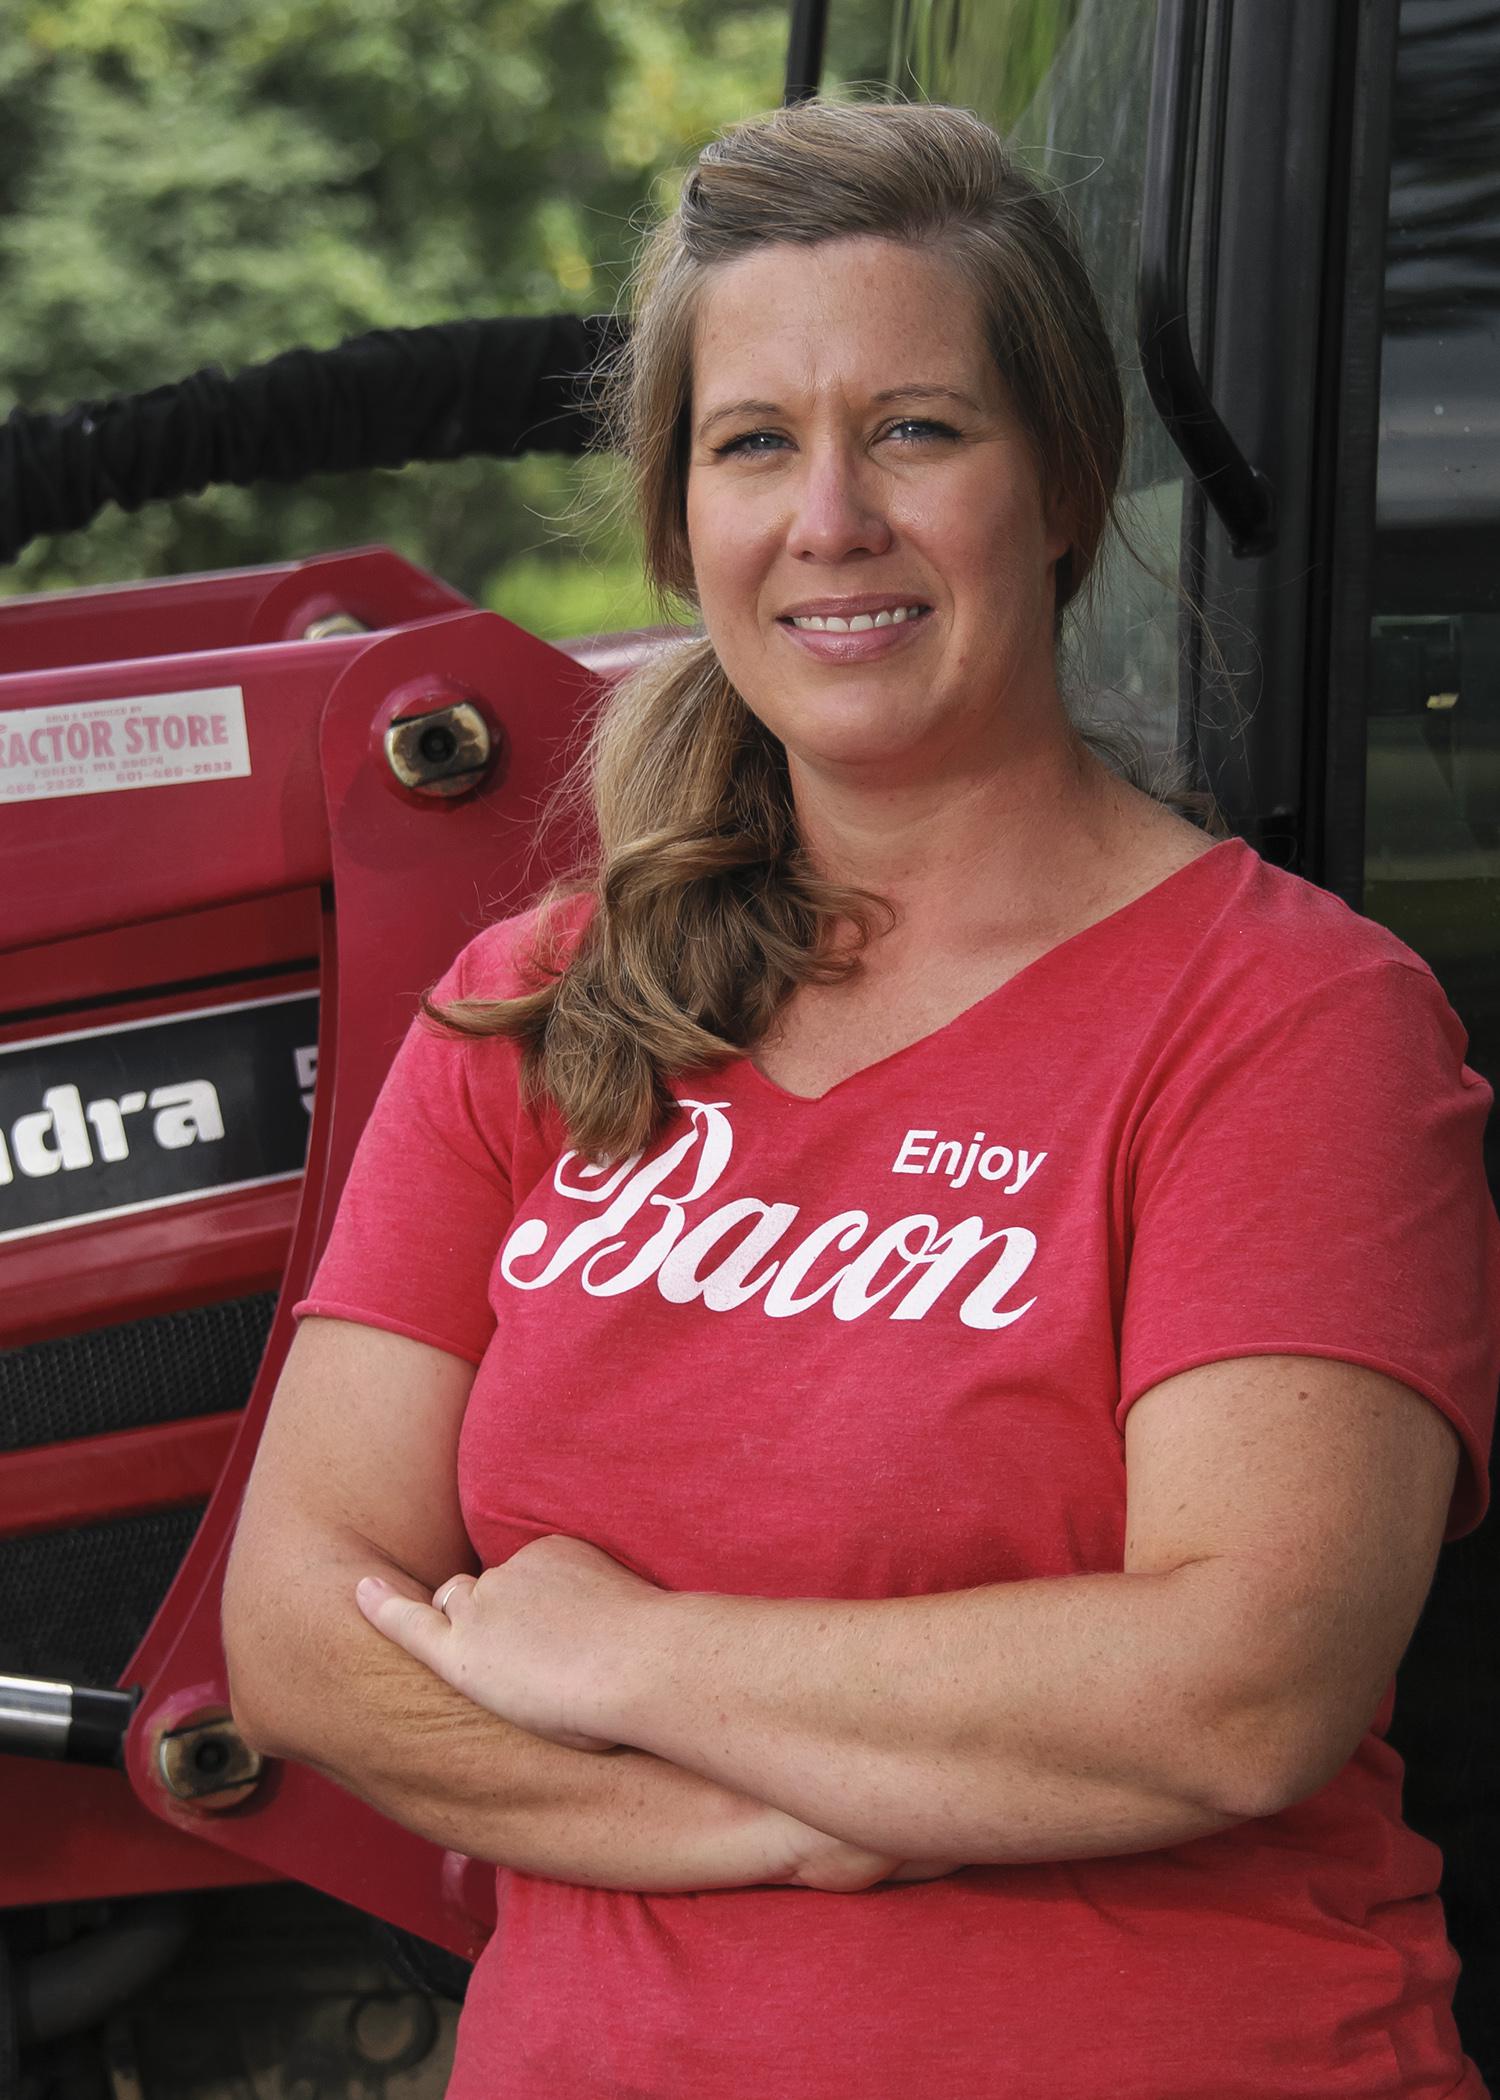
x=254 y=1723
x=251 y=1648
x=1270 y=1718
x=1256 y=1789
x=1270 y=1761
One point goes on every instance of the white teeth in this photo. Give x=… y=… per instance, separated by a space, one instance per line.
x=830 y=623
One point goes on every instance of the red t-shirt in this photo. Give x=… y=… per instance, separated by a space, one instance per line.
x=883 y=1344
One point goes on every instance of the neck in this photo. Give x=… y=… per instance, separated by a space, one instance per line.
x=964 y=862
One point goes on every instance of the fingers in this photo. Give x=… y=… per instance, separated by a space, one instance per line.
x=566 y=1739
x=425 y=1631
x=422 y=1631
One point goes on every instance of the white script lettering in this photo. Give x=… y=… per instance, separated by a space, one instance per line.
x=956 y=1159
x=639 y=1232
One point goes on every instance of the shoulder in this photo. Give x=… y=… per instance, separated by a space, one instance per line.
x=1243 y=977
x=1264 y=943
x=517 y=954
x=1258 y=911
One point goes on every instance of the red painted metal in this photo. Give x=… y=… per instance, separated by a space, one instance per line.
x=161 y=957
x=153 y=852
x=74 y=1833
x=371 y=585
x=610 y=656
x=408 y=881
x=168 y=1260
x=128 y=904
x=166 y=1466
x=226 y=610
x=120 y=904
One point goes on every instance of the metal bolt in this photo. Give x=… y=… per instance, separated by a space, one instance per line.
x=437 y=745
x=442 y=751
x=209 y=1763
x=331 y=625
x=210 y=1757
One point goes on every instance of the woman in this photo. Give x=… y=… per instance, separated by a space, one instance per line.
x=950 y=1308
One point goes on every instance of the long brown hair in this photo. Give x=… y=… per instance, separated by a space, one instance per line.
x=706 y=913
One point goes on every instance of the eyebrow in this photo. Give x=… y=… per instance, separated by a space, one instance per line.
x=886 y=395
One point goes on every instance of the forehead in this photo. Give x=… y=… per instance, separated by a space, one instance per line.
x=849 y=316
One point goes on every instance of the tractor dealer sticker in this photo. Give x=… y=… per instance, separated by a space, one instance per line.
x=105 y=1121
x=98 y=747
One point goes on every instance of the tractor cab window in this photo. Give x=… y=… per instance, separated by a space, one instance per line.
x=1432 y=807
x=1068 y=87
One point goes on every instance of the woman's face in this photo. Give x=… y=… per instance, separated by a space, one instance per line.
x=855 y=459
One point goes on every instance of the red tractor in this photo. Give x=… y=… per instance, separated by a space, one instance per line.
x=249 y=817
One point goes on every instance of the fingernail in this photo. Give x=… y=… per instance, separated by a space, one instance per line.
x=370 y=1589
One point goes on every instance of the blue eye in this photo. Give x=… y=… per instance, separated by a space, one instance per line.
x=910 y=430
x=752 y=442
x=921 y=428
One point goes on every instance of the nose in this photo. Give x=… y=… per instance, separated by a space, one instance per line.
x=838 y=510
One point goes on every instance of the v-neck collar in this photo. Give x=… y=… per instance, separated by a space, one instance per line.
x=1145 y=901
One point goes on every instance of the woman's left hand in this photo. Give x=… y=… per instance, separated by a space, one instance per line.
x=536 y=1640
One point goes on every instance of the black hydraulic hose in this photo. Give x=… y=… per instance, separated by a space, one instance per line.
x=497 y=387
x=68 y=1990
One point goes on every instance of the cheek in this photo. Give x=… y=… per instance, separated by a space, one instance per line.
x=1004 y=564
x=695 y=522
x=728 y=560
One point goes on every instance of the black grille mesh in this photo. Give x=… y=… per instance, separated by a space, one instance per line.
x=164 y=1369
x=74 y=1604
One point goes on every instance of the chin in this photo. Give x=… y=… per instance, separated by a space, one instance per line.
x=855 y=746
x=844 y=722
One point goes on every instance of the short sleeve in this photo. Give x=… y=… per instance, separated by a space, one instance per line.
x=1310 y=1183
x=428 y=1195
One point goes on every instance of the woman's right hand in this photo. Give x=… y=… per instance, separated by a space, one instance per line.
x=813 y=1860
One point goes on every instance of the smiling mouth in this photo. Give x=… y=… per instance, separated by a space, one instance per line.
x=857 y=623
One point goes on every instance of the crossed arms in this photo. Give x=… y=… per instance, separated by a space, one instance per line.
x=1284 y=1520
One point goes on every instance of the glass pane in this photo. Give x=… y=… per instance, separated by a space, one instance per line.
x=1067 y=82
x=1432 y=837
x=858 y=45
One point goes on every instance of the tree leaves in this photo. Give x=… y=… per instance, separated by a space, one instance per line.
x=211 y=181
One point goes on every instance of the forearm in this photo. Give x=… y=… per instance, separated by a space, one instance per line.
x=421 y=1753
x=622 y=1820
x=1028 y=1721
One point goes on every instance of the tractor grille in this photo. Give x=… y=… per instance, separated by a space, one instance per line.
x=74 y=1604
x=164 y=1369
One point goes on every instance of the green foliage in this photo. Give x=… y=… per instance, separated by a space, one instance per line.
x=193 y=182
x=559 y=600
x=861 y=47
x=993 y=57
